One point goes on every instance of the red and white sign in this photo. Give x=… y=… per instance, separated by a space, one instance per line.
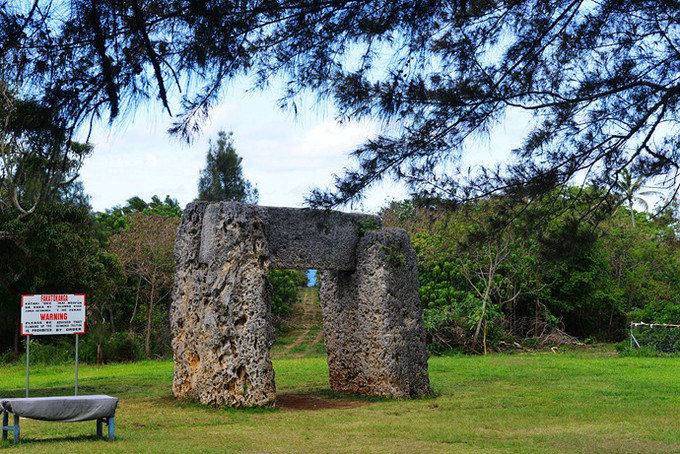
x=52 y=314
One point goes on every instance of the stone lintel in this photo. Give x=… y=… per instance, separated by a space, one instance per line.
x=308 y=238
x=296 y=237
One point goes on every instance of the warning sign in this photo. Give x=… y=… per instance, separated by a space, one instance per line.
x=52 y=314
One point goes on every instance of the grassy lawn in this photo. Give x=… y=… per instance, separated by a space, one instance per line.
x=542 y=402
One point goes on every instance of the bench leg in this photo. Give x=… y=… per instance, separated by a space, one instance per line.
x=16 y=429
x=5 y=421
x=111 y=427
x=99 y=427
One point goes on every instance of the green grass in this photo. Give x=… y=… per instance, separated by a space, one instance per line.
x=578 y=402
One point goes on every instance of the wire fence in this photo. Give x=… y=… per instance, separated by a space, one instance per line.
x=660 y=337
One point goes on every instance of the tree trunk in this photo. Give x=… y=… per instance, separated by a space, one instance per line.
x=112 y=321
x=485 y=299
x=475 y=338
x=134 y=309
x=536 y=319
x=149 y=320
x=485 y=325
x=632 y=212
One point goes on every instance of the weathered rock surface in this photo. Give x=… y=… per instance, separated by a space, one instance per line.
x=373 y=322
x=320 y=239
x=221 y=315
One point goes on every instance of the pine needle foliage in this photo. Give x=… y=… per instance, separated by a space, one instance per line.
x=601 y=79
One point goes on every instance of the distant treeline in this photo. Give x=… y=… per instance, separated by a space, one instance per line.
x=493 y=273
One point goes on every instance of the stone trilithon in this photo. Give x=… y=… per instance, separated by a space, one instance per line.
x=221 y=310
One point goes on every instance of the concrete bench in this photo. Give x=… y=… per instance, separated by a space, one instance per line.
x=64 y=409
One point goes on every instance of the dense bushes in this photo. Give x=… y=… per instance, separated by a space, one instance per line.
x=492 y=276
x=122 y=346
x=49 y=350
x=651 y=340
x=285 y=290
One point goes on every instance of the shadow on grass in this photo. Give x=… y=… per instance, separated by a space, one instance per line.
x=327 y=393
x=317 y=399
x=171 y=401
x=320 y=399
x=66 y=439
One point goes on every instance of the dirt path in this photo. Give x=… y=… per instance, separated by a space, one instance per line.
x=293 y=402
x=304 y=325
x=319 y=337
x=306 y=334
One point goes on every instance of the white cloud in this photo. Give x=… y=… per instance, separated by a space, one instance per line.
x=283 y=154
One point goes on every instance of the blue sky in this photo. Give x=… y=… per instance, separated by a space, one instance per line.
x=283 y=154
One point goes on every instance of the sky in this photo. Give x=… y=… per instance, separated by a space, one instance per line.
x=284 y=155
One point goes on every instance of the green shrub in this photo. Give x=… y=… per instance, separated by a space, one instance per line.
x=124 y=347
x=51 y=351
x=6 y=357
x=285 y=285
x=452 y=326
x=117 y=347
x=443 y=330
x=657 y=312
x=623 y=348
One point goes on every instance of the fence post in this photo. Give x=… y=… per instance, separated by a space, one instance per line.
x=631 y=335
x=76 y=386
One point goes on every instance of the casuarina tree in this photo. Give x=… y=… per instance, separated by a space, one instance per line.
x=38 y=165
x=222 y=178
x=602 y=79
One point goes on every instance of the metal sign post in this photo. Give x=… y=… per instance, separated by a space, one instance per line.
x=28 y=360
x=76 y=387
